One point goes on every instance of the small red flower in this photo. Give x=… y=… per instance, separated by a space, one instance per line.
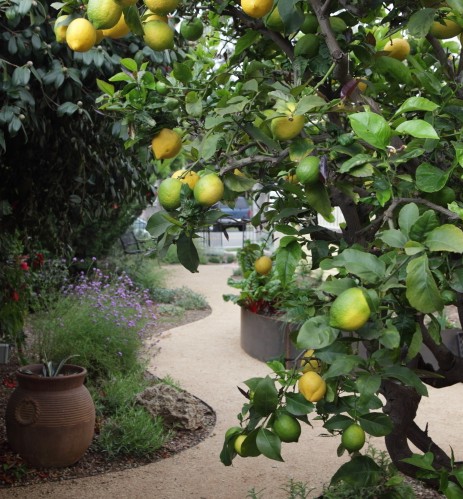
x=38 y=260
x=24 y=265
x=15 y=295
x=9 y=382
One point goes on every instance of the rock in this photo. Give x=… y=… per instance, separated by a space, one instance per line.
x=178 y=408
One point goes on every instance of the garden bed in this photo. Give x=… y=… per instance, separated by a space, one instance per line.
x=14 y=472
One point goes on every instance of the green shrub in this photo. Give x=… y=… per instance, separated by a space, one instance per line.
x=132 y=431
x=101 y=321
x=182 y=297
x=120 y=390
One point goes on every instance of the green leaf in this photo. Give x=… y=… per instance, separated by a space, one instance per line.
x=238 y=183
x=209 y=145
x=359 y=159
x=430 y=178
x=364 y=265
x=423 y=462
x=287 y=259
x=291 y=16
x=419 y=24
x=417 y=103
x=338 y=422
x=316 y=333
x=407 y=377
x=193 y=104
x=297 y=404
x=456 y=5
x=187 y=252
x=158 y=224
x=337 y=286
x=371 y=128
x=453 y=491
x=318 y=198
x=342 y=365
x=130 y=64
x=269 y=444
x=393 y=238
x=132 y=18
x=408 y=215
x=308 y=103
x=259 y=136
x=360 y=471
x=446 y=237
x=299 y=148
x=390 y=336
x=21 y=76
x=182 y=72
x=246 y=41
x=425 y=224
x=105 y=87
x=393 y=68
x=417 y=128
x=265 y=399
x=368 y=384
x=422 y=291
x=376 y=424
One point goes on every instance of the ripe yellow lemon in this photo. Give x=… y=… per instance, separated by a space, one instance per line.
x=103 y=14
x=208 y=190
x=263 y=265
x=99 y=36
x=169 y=193
x=353 y=438
x=287 y=127
x=121 y=29
x=125 y=3
x=166 y=144
x=162 y=7
x=186 y=177
x=80 y=35
x=257 y=8
x=60 y=29
x=309 y=363
x=312 y=386
x=398 y=48
x=350 y=310
x=448 y=29
x=287 y=428
x=158 y=35
x=153 y=17
x=308 y=170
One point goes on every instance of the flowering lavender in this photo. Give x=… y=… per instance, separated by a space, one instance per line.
x=117 y=299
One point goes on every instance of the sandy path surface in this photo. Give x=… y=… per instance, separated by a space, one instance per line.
x=206 y=358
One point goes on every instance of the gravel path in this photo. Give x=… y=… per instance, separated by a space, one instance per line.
x=205 y=357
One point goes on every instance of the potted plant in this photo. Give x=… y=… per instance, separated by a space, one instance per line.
x=272 y=306
x=50 y=416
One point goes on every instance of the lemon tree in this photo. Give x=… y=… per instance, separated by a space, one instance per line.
x=368 y=216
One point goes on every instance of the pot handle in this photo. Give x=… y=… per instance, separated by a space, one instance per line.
x=27 y=412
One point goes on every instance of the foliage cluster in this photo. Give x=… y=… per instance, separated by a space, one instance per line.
x=66 y=181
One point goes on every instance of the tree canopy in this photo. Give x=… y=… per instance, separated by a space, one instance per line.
x=372 y=92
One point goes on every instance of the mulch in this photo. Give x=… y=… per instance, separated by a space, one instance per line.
x=14 y=472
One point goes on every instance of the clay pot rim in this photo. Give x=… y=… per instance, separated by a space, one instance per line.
x=76 y=371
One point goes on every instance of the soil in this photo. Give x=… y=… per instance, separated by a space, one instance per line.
x=14 y=472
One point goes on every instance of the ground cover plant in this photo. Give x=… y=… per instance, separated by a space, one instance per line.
x=310 y=106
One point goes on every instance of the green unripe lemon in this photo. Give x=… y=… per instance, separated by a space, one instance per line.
x=287 y=428
x=308 y=170
x=353 y=438
x=310 y=24
x=103 y=14
x=158 y=35
x=192 y=30
x=350 y=310
x=307 y=46
x=274 y=22
x=169 y=193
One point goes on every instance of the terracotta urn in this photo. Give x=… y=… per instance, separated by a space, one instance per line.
x=50 y=420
